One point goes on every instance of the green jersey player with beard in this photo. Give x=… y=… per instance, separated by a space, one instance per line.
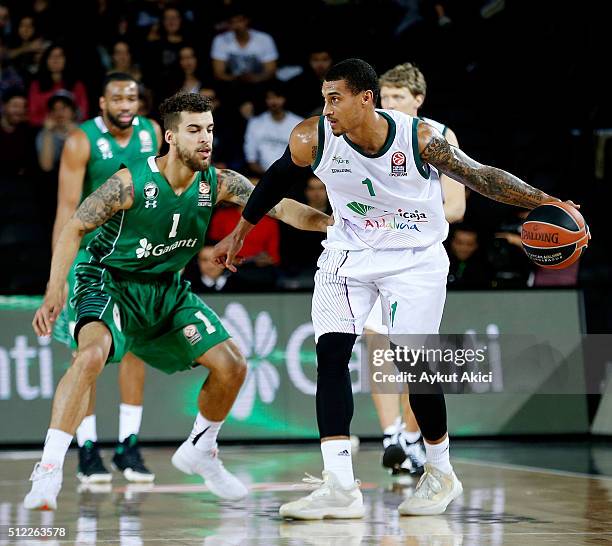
x=129 y=296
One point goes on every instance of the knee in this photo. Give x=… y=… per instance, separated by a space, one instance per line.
x=334 y=353
x=232 y=369
x=90 y=361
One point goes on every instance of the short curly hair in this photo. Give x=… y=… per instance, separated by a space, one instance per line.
x=172 y=107
x=405 y=75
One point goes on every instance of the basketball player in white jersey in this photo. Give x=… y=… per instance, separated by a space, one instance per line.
x=403 y=88
x=386 y=240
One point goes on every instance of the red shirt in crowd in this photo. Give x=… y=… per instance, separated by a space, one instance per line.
x=264 y=237
x=37 y=101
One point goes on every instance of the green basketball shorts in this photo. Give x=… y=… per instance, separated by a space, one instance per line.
x=159 y=318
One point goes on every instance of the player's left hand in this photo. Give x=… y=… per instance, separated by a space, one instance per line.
x=48 y=312
x=225 y=252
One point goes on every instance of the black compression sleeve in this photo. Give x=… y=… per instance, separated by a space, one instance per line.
x=275 y=184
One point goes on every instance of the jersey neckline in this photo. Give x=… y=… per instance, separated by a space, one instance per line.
x=388 y=141
x=164 y=181
x=103 y=128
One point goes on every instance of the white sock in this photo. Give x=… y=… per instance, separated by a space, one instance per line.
x=337 y=459
x=87 y=430
x=438 y=455
x=130 y=418
x=56 y=446
x=412 y=436
x=204 y=433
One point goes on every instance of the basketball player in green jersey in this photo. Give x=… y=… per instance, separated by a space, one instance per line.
x=129 y=296
x=91 y=155
x=403 y=88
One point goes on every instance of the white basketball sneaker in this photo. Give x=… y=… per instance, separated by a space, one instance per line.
x=46 y=484
x=434 y=492
x=329 y=500
x=222 y=483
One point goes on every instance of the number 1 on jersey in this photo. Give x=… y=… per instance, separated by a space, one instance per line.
x=368 y=183
x=175 y=221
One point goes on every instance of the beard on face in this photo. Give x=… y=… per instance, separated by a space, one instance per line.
x=118 y=123
x=191 y=159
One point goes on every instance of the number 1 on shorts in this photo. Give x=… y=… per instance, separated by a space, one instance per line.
x=210 y=329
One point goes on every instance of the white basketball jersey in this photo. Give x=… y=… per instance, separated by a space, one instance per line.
x=387 y=200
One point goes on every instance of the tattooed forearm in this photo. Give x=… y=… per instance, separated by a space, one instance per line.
x=315 y=150
x=236 y=188
x=489 y=181
x=103 y=203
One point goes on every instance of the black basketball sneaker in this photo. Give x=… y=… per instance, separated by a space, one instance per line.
x=91 y=467
x=128 y=460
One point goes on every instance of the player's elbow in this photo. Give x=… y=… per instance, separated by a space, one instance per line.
x=455 y=212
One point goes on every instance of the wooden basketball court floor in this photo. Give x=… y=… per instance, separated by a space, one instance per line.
x=556 y=494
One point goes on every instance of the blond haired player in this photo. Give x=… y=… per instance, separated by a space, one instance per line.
x=403 y=88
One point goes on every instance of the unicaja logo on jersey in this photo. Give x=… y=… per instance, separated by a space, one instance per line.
x=146 y=249
x=359 y=208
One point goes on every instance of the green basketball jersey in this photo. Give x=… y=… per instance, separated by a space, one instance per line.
x=162 y=231
x=107 y=156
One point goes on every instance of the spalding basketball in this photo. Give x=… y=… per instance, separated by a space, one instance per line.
x=554 y=235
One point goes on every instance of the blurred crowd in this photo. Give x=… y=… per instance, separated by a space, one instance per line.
x=262 y=66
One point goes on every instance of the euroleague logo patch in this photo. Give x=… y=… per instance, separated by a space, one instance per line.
x=398 y=164
x=191 y=334
x=204 y=196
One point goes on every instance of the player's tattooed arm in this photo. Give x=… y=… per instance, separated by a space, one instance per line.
x=237 y=188
x=116 y=194
x=491 y=182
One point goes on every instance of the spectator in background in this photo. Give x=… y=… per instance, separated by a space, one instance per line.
x=227 y=138
x=243 y=54
x=54 y=75
x=267 y=135
x=5 y=22
x=260 y=251
x=16 y=143
x=167 y=43
x=507 y=259
x=122 y=60
x=305 y=89
x=189 y=78
x=9 y=77
x=26 y=48
x=300 y=250
x=468 y=268
x=59 y=123
x=206 y=276
x=47 y=18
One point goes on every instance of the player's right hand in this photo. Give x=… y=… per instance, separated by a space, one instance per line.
x=48 y=312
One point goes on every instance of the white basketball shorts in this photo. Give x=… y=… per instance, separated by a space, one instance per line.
x=411 y=284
